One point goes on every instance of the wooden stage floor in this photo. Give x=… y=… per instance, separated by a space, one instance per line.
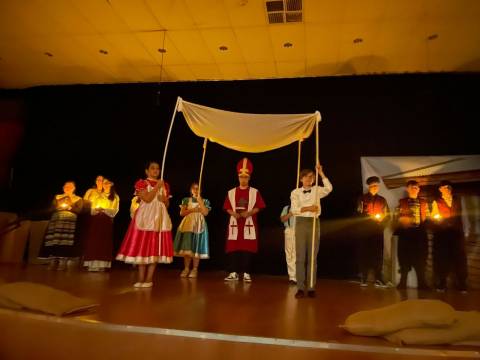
x=264 y=311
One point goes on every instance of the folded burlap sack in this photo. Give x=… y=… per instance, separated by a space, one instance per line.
x=403 y=315
x=465 y=330
x=37 y=297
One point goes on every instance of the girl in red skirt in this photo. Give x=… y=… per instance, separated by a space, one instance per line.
x=149 y=238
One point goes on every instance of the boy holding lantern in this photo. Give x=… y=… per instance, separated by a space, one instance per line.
x=448 y=244
x=373 y=209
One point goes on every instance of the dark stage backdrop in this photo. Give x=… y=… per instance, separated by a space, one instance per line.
x=77 y=132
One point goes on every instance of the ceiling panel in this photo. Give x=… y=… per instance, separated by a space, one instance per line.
x=113 y=61
x=262 y=70
x=408 y=11
x=288 y=33
x=171 y=14
x=255 y=44
x=222 y=37
x=439 y=10
x=322 y=42
x=456 y=47
x=191 y=45
x=101 y=15
x=180 y=72
x=291 y=69
x=153 y=41
x=234 y=71
x=246 y=13
x=356 y=54
x=324 y=12
x=72 y=22
x=364 y=11
x=21 y=53
x=131 y=48
x=153 y=73
x=26 y=17
x=206 y=71
x=320 y=68
x=137 y=15
x=208 y=14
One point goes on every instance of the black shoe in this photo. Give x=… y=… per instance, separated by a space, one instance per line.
x=300 y=294
x=292 y=282
x=402 y=285
x=311 y=293
x=423 y=286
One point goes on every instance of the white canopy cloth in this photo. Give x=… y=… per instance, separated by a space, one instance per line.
x=247 y=132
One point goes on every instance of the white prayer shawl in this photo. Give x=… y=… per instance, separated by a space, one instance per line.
x=249 y=232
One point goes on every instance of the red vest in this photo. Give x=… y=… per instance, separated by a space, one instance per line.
x=372 y=205
x=446 y=211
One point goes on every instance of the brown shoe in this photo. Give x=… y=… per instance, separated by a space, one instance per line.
x=300 y=294
x=311 y=293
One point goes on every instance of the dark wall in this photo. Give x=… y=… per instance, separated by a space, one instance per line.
x=77 y=132
x=11 y=131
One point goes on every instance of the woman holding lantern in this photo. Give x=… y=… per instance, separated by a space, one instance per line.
x=60 y=242
x=98 y=234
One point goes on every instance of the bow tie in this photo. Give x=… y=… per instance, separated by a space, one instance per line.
x=307 y=191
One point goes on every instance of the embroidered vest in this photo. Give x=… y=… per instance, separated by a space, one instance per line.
x=405 y=209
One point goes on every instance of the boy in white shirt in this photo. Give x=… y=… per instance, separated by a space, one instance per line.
x=305 y=206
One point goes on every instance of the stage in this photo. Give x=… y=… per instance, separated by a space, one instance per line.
x=207 y=318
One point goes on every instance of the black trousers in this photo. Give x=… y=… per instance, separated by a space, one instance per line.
x=370 y=249
x=239 y=261
x=449 y=256
x=412 y=252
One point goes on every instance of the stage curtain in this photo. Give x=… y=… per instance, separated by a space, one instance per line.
x=247 y=132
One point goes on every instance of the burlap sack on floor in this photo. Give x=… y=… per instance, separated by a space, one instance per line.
x=403 y=315
x=38 y=297
x=466 y=330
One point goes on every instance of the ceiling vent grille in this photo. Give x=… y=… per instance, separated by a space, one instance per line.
x=284 y=11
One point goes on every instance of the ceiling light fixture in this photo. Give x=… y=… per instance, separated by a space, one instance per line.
x=432 y=37
x=357 y=40
x=104 y=52
x=48 y=54
x=162 y=50
x=223 y=48
x=287 y=45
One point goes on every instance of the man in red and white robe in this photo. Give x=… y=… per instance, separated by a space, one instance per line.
x=242 y=204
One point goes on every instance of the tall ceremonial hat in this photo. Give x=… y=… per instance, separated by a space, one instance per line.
x=245 y=167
